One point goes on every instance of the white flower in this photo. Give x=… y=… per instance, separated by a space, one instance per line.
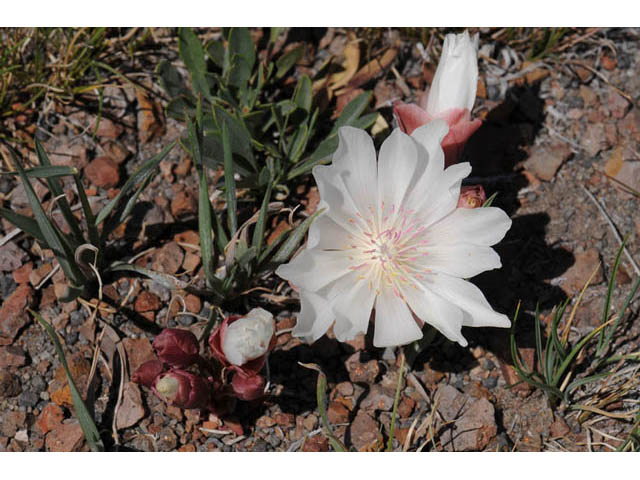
x=391 y=238
x=248 y=338
x=456 y=80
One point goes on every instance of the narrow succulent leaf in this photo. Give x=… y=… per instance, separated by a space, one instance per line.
x=82 y=412
x=294 y=240
x=170 y=79
x=607 y=301
x=303 y=96
x=610 y=331
x=211 y=323
x=215 y=50
x=48 y=171
x=192 y=55
x=242 y=54
x=26 y=224
x=94 y=236
x=288 y=60
x=352 y=111
x=145 y=170
x=258 y=232
x=51 y=237
x=489 y=201
x=583 y=381
x=270 y=248
x=298 y=143
x=229 y=182
x=204 y=225
x=321 y=398
x=57 y=192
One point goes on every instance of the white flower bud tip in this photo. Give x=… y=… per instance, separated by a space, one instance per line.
x=248 y=338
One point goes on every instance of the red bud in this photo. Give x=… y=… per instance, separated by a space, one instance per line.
x=183 y=389
x=472 y=196
x=147 y=373
x=177 y=347
x=248 y=388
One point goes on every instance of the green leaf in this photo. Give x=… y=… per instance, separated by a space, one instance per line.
x=303 y=96
x=49 y=171
x=258 y=232
x=352 y=111
x=229 y=182
x=52 y=238
x=26 y=224
x=215 y=49
x=298 y=143
x=140 y=175
x=350 y=116
x=242 y=54
x=57 y=192
x=171 y=80
x=94 y=236
x=82 y=412
x=192 y=55
x=489 y=200
x=287 y=249
x=288 y=60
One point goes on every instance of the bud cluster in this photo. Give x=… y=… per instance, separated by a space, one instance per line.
x=182 y=377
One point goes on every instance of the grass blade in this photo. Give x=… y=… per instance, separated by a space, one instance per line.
x=82 y=412
x=46 y=171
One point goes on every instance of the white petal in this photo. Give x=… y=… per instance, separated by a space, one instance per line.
x=396 y=169
x=394 y=324
x=353 y=309
x=462 y=260
x=456 y=79
x=430 y=136
x=469 y=298
x=314 y=269
x=315 y=316
x=333 y=191
x=356 y=160
x=441 y=314
x=442 y=198
x=480 y=226
x=325 y=233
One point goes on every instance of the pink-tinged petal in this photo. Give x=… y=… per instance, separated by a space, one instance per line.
x=410 y=117
x=472 y=196
x=461 y=127
x=215 y=339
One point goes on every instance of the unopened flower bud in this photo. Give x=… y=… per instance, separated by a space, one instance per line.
x=177 y=347
x=248 y=388
x=147 y=373
x=183 y=389
x=249 y=337
x=472 y=196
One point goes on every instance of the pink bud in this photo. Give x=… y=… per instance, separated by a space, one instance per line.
x=147 y=373
x=248 y=387
x=472 y=196
x=461 y=127
x=183 y=389
x=177 y=347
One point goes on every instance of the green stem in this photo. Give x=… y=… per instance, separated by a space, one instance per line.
x=395 y=403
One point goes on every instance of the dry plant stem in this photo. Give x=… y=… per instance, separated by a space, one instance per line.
x=613 y=228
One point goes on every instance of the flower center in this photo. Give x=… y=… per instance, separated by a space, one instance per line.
x=388 y=248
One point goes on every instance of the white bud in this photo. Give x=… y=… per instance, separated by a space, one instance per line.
x=167 y=387
x=456 y=79
x=249 y=337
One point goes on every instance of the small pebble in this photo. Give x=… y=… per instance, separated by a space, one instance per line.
x=28 y=399
x=490 y=382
